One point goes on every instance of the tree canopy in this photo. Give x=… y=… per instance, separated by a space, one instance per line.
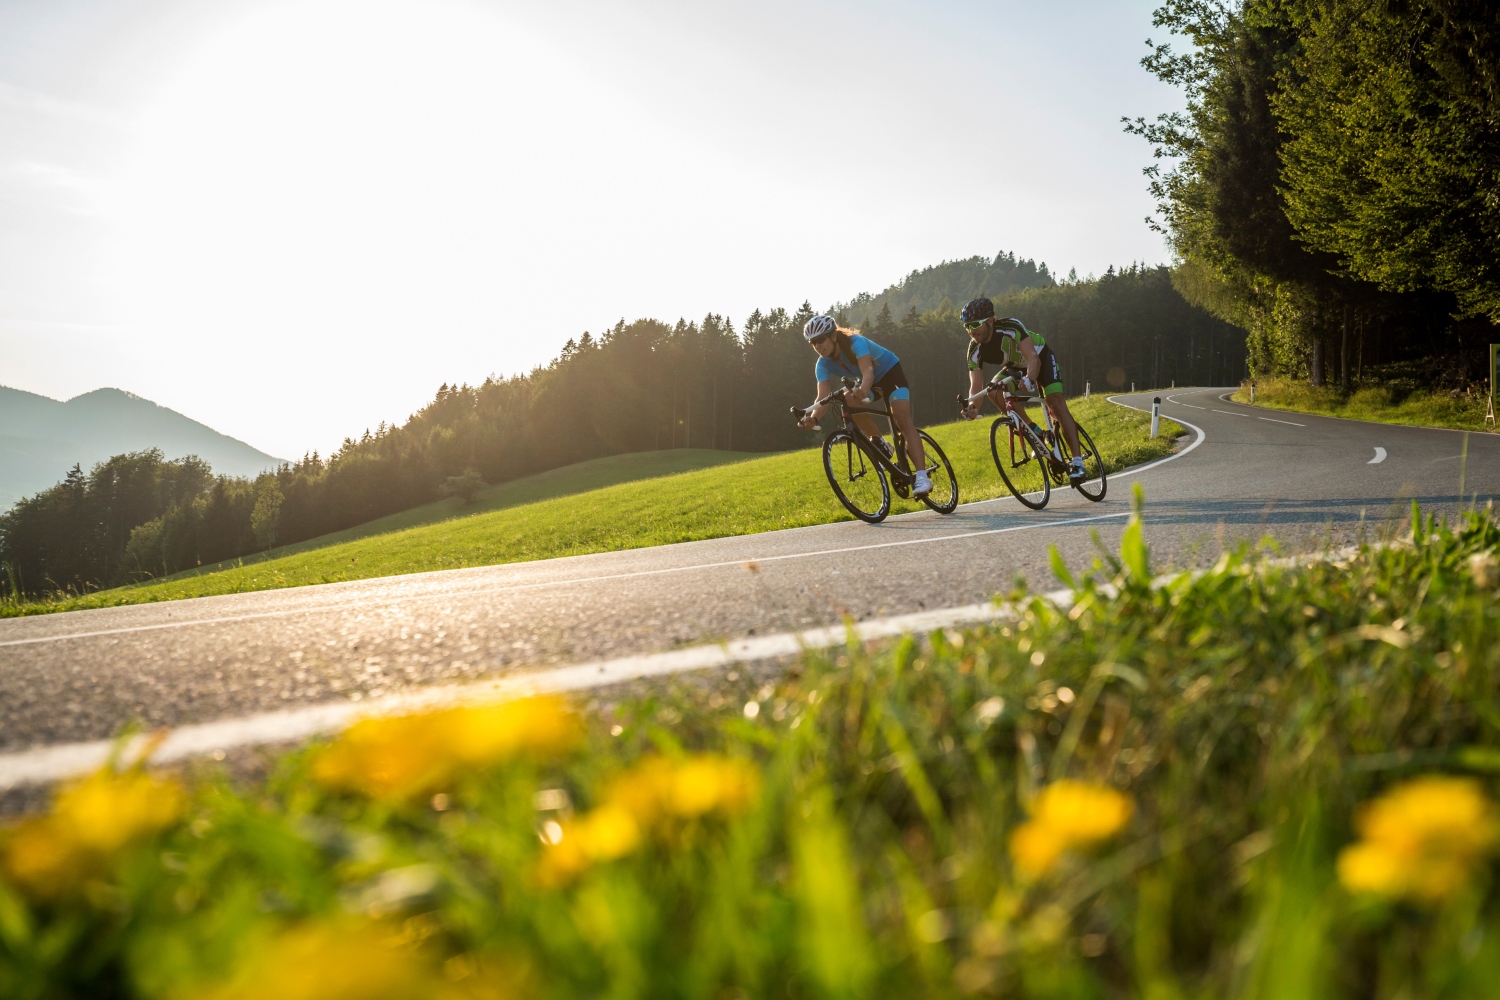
x=1334 y=182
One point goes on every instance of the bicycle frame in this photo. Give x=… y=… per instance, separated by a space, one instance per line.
x=901 y=476
x=1013 y=407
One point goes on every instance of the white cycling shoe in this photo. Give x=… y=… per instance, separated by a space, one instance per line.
x=921 y=485
x=1076 y=472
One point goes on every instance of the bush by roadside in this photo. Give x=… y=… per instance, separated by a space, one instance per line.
x=1263 y=780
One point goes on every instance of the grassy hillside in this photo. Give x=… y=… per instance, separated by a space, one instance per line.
x=580 y=478
x=1261 y=781
x=763 y=494
x=1382 y=404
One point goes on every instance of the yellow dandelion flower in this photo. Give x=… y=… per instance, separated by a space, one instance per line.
x=404 y=756
x=1067 y=814
x=1036 y=848
x=90 y=822
x=603 y=834
x=1422 y=839
x=657 y=794
x=332 y=962
x=706 y=784
x=1082 y=812
x=658 y=787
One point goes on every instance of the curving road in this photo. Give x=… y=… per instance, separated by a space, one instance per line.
x=1243 y=472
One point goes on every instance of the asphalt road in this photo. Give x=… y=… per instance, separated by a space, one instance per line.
x=1243 y=474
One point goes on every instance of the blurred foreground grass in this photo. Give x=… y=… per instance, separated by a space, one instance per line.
x=1266 y=780
x=766 y=493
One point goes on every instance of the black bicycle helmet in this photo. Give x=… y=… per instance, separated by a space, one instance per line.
x=977 y=309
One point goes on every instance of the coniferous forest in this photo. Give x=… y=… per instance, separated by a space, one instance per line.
x=635 y=387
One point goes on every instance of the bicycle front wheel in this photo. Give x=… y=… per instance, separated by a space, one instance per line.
x=857 y=479
x=1012 y=452
x=944 y=495
x=1094 y=485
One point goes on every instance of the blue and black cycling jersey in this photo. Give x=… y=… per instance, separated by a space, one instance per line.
x=889 y=379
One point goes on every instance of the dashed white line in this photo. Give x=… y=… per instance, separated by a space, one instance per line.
x=1287 y=422
x=1379 y=456
x=1232 y=413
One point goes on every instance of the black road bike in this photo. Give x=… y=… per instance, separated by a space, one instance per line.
x=1015 y=441
x=863 y=474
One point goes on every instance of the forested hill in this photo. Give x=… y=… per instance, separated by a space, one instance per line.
x=636 y=387
x=41 y=438
x=952 y=281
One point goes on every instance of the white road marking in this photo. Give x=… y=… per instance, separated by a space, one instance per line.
x=1232 y=413
x=1379 y=456
x=364 y=603
x=55 y=763
x=1175 y=455
x=1189 y=405
x=1288 y=422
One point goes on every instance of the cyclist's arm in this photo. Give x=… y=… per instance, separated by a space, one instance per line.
x=976 y=382
x=814 y=412
x=866 y=376
x=1033 y=359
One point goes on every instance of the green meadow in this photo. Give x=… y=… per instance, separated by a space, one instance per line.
x=625 y=502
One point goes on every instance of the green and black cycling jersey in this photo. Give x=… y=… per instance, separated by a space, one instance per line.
x=1003 y=349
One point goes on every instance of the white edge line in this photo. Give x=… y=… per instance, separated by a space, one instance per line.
x=1379 y=456
x=1287 y=422
x=56 y=763
x=1172 y=457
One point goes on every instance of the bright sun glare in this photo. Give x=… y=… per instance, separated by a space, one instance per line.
x=323 y=174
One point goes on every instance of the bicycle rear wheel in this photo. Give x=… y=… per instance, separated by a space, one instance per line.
x=944 y=495
x=1094 y=483
x=1017 y=454
x=857 y=479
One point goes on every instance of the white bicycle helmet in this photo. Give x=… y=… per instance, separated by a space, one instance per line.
x=819 y=326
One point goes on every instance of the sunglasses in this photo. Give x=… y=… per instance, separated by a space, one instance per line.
x=973 y=325
x=820 y=338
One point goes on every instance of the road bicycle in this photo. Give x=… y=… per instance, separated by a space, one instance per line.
x=1025 y=442
x=863 y=473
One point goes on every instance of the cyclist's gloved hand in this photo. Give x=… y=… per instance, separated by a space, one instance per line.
x=1027 y=383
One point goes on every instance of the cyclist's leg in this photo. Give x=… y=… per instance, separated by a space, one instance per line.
x=1049 y=378
x=892 y=386
x=1058 y=404
x=866 y=423
x=901 y=410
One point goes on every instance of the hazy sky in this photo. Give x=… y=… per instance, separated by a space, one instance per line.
x=293 y=220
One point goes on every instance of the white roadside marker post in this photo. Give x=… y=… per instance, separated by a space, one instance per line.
x=1252 y=393
x=1086 y=387
x=1155 y=415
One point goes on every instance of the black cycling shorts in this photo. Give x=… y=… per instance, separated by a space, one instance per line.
x=892 y=384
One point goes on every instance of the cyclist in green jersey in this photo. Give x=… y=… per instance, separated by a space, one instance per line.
x=1007 y=343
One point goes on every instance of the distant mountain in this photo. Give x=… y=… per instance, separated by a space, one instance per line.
x=41 y=438
x=953 y=281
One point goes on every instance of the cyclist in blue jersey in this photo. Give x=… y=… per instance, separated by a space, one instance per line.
x=847 y=354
